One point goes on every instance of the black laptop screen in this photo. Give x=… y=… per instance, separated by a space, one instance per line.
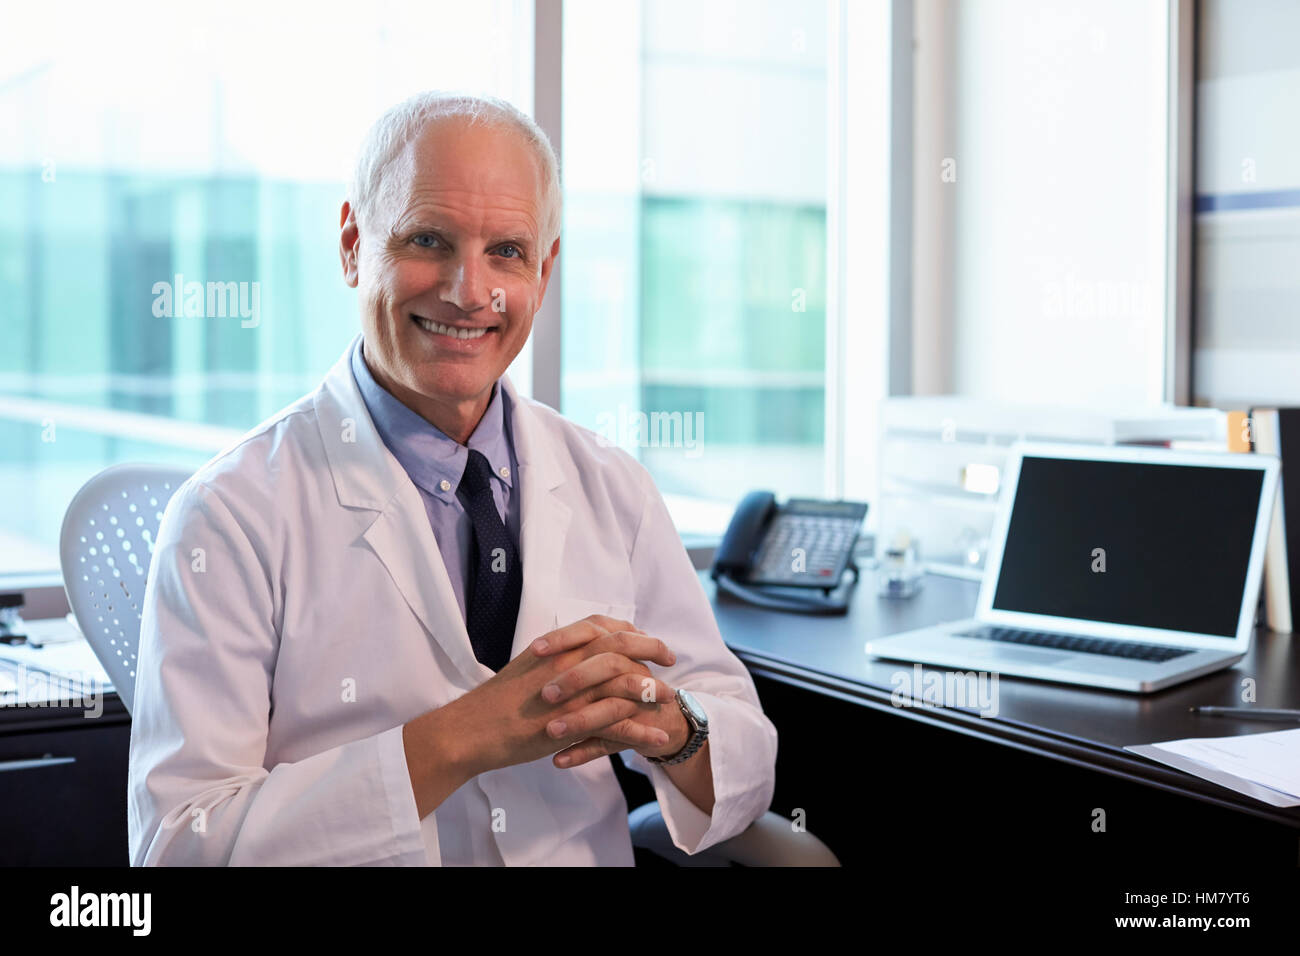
x=1163 y=546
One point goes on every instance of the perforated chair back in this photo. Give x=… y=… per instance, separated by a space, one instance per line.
x=105 y=548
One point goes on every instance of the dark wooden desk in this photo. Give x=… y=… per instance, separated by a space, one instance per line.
x=1052 y=755
x=874 y=779
x=63 y=785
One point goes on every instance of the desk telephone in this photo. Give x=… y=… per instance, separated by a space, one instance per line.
x=779 y=556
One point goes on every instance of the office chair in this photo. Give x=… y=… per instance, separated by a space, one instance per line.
x=768 y=841
x=105 y=548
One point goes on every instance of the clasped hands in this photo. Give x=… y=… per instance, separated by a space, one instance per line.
x=608 y=695
x=579 y=692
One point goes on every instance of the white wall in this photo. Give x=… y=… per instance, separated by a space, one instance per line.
x=1052 y=236
x=1248 y=142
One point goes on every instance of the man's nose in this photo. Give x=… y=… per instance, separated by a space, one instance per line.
x=467 y=286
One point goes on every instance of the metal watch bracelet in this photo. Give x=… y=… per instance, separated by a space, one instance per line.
x=699 y=734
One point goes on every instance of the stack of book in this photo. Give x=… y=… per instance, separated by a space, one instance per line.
x=1276 y=431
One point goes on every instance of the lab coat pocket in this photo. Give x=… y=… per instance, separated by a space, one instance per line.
x=568 y=610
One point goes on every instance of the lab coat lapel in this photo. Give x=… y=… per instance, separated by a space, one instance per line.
x=544 y=519
x=404 y=542
x=367 y=477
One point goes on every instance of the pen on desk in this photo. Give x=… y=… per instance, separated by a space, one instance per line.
x=1247 y=713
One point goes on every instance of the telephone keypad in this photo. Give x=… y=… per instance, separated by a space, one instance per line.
x=805 y=549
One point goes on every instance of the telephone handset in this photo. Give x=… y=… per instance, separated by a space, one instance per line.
x=771 y=553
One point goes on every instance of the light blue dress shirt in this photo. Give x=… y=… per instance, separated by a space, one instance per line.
x=436 y=462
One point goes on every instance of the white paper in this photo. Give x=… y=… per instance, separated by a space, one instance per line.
x=1265 y=766
x=74 y=660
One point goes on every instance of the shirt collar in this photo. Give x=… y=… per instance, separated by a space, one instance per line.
x=435 y=461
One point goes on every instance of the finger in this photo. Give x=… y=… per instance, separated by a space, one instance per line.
x=637 y=646
x=613 y=623
x=643 y=689
x=585 y=721
x=609 y=719
x=625 y=646
x=579 y=633
x=620 y=736
x=607 y=675
x=632 y=733
x=590 y=673
x=584 y=752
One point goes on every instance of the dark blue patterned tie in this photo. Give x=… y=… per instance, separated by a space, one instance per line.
x=496 y=576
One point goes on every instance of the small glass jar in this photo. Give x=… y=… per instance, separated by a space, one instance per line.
x=899 y=574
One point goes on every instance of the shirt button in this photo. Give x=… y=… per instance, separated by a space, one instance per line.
x=445 y=485
x=505 y=472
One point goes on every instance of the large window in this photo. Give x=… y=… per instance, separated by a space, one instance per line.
x=149 y=146
x=694 y=258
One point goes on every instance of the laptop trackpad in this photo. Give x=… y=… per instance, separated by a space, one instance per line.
x=1028 y=655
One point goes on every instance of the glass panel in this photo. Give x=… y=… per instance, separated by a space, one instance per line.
x=170 y=183
x=693 y=263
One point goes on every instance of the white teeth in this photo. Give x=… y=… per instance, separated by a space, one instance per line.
x=455 y=333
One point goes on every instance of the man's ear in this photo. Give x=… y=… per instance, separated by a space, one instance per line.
x=547 y=263
x=349 y=240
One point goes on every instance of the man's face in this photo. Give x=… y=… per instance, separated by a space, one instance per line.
x=449 y=267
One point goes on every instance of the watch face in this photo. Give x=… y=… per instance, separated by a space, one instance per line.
x=693 y=705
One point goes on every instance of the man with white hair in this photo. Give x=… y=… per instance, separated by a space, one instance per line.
x=428 y=608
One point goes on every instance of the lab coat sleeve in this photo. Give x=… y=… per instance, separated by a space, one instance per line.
x=198 y=790
x=671 y=605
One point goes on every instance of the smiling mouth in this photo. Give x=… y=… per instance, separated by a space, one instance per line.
x=453 y=331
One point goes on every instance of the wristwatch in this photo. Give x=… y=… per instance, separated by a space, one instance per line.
x=699 y=724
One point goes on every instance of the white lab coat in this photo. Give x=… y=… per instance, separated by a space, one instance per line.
x=298 y=613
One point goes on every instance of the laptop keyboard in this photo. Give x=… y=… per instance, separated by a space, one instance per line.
x=1081 y=645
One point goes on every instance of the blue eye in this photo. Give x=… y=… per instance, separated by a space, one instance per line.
x=424 y=235
x=518 y=253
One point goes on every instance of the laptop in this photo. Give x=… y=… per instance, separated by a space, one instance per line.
x=1125 y=567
